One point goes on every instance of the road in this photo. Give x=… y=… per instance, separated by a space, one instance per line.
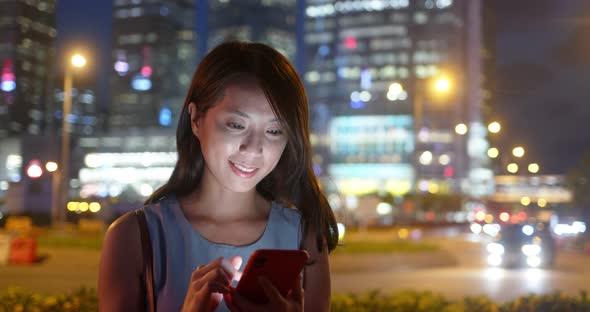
x=456 y=271
x=467 y=275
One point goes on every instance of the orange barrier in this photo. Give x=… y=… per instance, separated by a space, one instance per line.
x=23 y=250
x=5 y=240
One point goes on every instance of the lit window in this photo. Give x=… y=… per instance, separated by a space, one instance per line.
x=135 y=12
x=122 y=13
x=420 y=18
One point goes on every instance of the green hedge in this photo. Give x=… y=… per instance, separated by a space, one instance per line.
x=404 y=301
x=18 y=300
x=416 y=301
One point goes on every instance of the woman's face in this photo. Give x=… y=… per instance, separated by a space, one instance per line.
x=241 y=138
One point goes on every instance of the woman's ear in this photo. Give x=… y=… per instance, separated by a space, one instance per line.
x=194 y=118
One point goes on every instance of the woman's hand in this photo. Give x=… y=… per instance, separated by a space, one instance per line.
x=209 y=283
x=292 y=303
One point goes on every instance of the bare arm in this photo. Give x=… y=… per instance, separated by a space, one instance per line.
x=317 y=287
x=121 y=267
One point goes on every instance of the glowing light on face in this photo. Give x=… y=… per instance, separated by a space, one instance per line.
x=241 y=139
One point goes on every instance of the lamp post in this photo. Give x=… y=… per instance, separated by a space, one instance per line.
x=440 y=86
x=60 y=192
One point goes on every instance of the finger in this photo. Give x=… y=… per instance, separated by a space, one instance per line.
x=204 y=269
x=242 y=303
x=236 y=262
x=229 y=303
x=216 y=275
x=271 y=292
x=297 y=293
x=215 y=299
x=210 y=287
x=228 y=266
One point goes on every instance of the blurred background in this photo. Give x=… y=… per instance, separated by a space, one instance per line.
x=429 y=118
x=413 y=103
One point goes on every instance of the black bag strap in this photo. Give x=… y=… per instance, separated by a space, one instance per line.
x=146 y=247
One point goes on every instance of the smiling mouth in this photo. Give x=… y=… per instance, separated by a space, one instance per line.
x=243 y=171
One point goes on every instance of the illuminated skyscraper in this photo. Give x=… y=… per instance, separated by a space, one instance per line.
x=272 y=22
x=378 y=125
x=27 y=34
x=153 y=62
x=84 y=117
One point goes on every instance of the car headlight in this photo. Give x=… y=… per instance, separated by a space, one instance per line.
x=495 y=248
x=531 y=250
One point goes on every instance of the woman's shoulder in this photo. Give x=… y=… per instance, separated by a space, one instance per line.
x=160 y=209
x=124 y=225
x=121 y=263
x=287 y=211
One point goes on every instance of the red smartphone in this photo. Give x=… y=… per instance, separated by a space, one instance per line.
x=280 y=266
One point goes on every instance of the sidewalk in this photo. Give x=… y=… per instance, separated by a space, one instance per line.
x=67 y=269
x=342 y=263
x=63 y=270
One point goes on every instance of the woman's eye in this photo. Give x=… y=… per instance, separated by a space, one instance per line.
x=235 y=125
x=275 y=132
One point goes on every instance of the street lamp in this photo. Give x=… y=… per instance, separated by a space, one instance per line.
x=51 y=166
x=424 y=89
x=512 y=168
x=440 y=86
x=461 y=129
x=59 y=201
x=518 y=151
x=494 y=127
x=493 y=152
x=533 y=168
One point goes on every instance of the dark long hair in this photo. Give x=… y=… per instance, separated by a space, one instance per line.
x=292 y=181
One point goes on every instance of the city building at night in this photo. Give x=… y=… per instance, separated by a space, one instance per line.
x=153 y=62
x=379 y=124
x=27 y=54
x=27 y=37
x=121 y=169
x=85 y=117
x=270 y=22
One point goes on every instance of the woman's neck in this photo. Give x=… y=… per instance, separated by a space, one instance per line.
x=212 y=200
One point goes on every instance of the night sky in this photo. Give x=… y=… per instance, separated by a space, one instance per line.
x=543 y=58
x=542 y=73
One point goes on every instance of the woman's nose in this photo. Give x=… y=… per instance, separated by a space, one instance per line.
x=252 y=144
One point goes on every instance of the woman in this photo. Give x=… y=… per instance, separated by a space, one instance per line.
x=243 y=181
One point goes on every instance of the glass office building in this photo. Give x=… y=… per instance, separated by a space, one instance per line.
x=378 y=124
x=153 y=62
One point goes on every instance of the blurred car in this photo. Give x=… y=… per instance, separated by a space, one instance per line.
x=522 y=245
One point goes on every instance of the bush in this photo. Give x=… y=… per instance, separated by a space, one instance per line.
x=17 y=300
x=84 y=299
x=407 y=301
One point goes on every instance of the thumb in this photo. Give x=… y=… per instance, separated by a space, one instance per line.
x=236 y=262
x=214 y=301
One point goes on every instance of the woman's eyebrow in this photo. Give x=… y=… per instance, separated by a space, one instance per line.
x=242 y=114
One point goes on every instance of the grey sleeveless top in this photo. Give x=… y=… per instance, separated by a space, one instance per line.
x=178 y=248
